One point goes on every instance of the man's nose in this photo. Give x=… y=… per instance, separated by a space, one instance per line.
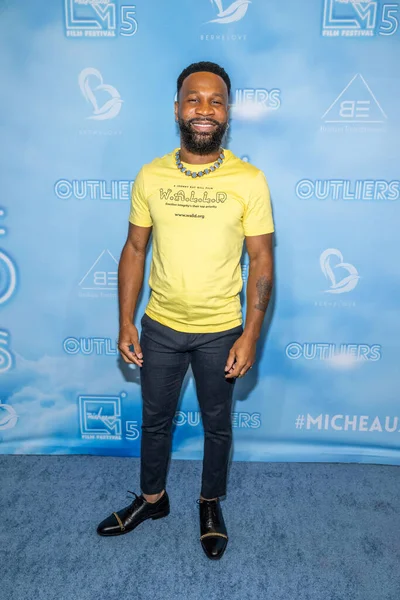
x=204 y=108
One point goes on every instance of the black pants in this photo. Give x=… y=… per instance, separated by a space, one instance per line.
x=166 y=357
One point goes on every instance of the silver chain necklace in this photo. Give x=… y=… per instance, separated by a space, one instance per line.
x=206 y=171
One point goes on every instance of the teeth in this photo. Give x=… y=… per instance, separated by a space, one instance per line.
x=204 y=125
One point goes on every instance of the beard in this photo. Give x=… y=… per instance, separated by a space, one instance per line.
x=202 y=142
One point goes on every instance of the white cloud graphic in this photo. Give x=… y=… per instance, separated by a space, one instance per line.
x=47 y=401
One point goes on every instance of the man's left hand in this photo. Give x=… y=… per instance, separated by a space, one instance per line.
x=241 y=357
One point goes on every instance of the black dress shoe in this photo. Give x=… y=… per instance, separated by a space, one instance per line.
x=213 y=534
x=126 y=519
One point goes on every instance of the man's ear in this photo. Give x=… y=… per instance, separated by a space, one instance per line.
x=176 y=109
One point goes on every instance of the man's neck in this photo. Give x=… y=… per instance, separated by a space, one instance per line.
x=198 y=159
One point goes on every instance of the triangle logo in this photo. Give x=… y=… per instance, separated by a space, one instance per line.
x=355 y=104
x=102 y=275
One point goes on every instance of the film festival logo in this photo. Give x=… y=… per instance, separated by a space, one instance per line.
x=101 y=280
x=100 y=418
x=359 y=18
x=356 y=109
x=99 y=18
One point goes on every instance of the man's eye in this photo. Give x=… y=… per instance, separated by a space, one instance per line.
x=217 y=102
x=192 y=100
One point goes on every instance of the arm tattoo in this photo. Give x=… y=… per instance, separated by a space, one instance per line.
x=264 y=289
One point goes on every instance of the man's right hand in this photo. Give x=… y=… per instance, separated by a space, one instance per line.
x=128 y=336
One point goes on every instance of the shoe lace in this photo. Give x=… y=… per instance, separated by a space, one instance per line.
x=136 y=497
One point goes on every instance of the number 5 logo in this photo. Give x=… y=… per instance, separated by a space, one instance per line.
x=389 y=19
x=128 y=22
x=132 y=430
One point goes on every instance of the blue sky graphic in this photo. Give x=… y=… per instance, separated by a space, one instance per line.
x=54 y=242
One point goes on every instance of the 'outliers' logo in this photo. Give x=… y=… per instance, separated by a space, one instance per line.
x=93 y=189
x=327 y=351
x=240 y=420
x=99 y=18
x=255 y=103
x=359 y=18
x=88 y=346
x=344 y=189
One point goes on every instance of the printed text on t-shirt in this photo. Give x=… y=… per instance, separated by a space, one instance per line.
x=180 y=196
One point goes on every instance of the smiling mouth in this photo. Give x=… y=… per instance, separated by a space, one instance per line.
x=203 y=126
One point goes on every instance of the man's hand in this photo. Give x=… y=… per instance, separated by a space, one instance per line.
x=128 y=336
x=241 y=357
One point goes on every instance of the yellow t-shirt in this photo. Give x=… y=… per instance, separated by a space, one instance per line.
x=199 y=225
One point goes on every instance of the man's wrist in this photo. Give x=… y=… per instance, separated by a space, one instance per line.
x=252 y=332
x=125 y=321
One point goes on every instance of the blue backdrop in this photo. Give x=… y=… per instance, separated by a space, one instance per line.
x=88 y=90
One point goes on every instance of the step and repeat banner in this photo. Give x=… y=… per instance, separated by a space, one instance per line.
x=88 y=91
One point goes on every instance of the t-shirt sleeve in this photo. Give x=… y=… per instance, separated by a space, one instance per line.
x=257 y=218
x=139 y=213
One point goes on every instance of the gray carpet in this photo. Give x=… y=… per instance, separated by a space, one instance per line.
x=299 y=531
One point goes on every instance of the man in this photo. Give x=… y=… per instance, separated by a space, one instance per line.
x=200 y=202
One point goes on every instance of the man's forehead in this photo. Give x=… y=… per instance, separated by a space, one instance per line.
x=204 y=79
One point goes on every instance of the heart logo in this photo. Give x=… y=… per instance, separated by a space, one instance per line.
x=345 y=284
x=234 y=12
x=110 y=109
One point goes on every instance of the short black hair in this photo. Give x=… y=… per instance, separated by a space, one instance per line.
x=207 y=66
